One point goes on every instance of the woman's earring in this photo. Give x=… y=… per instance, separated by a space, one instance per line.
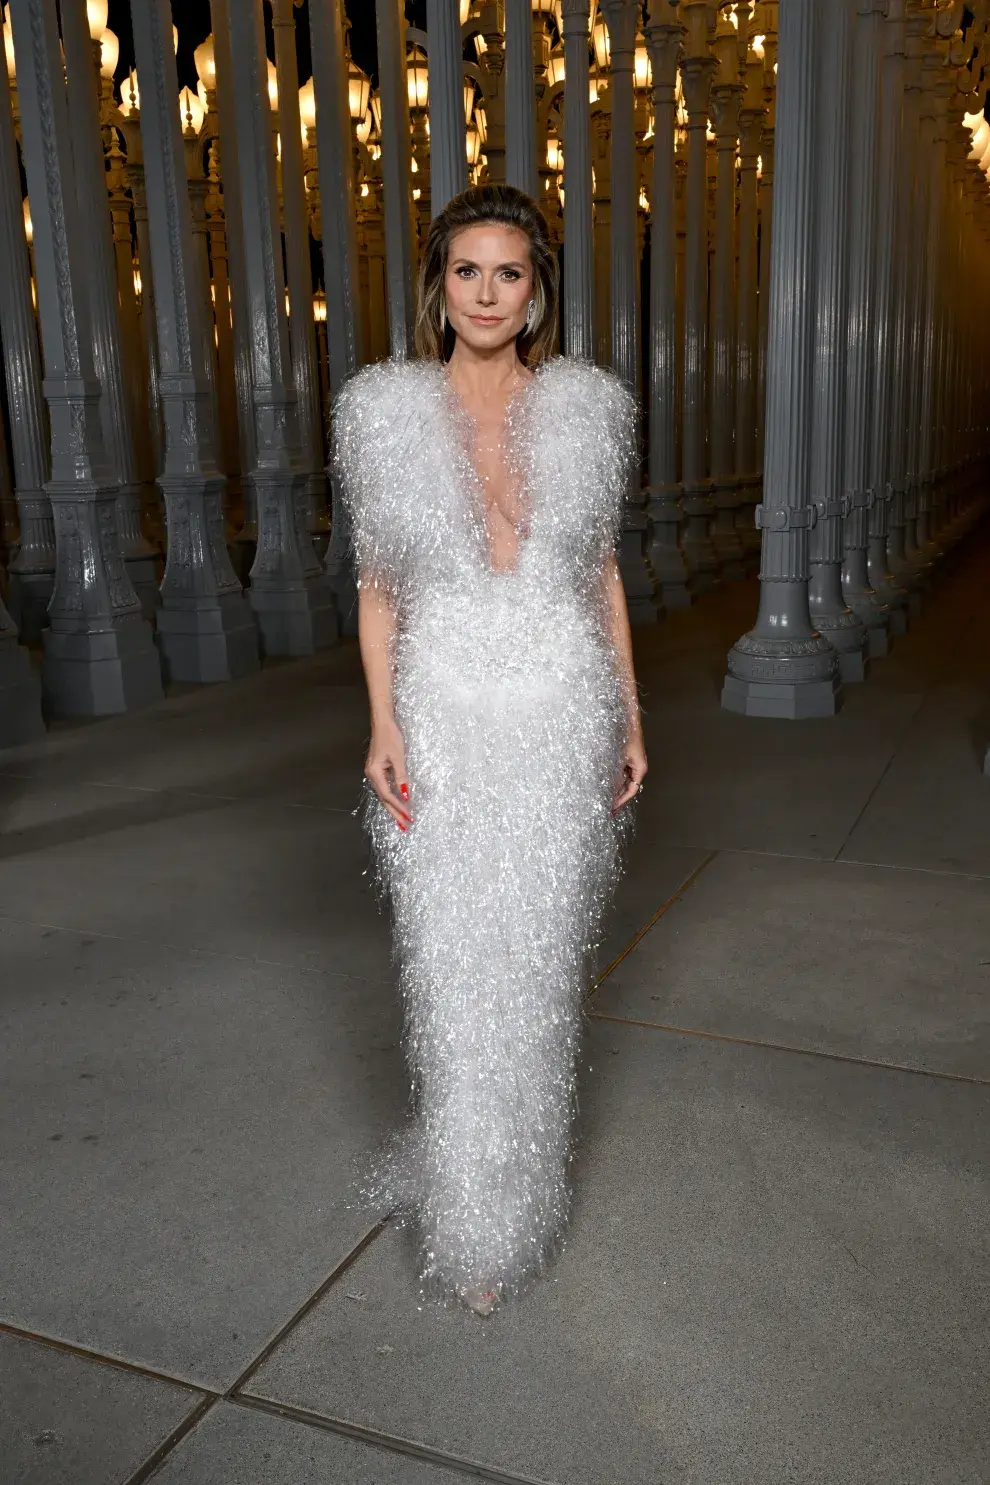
x=529 y=315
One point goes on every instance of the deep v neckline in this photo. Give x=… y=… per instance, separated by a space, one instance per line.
x=461 y=425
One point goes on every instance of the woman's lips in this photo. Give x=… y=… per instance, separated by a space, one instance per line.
x=486 y=319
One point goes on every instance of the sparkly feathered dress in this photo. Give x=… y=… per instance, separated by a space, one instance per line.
x=508 y=697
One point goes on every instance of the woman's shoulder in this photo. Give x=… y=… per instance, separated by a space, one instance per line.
x=579 y=395
x=385 y=389
x=584 y=387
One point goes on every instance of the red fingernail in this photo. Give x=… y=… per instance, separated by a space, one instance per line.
x=400 y=825
x=404 y=790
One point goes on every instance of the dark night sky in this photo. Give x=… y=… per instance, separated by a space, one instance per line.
x=193 y=20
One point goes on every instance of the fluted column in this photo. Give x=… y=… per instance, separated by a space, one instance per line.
x=116 y=411
x=621 y=17
x=299 y=271
x=206 y=631
x=32 y=571
x=135 y=381
x=246 y=539
x=783 y=667
x=766 y=24
x=335 y=149
x=751 y=119
x=697 y=67
x=601 y=173
x=289 y=593
x=726 y=102
x=146 y=313
x=830 y=613
x=663 y=37
x=919 y=100
x=890 y=257
x=491 y=65
x=860 y=493
x=333 y=134
x=931 y=314
x=520 y=96
x=395 y=161
x=227 y=432
x=200 y=284
x=99 y=654
x=579 y=270
x=448 y=160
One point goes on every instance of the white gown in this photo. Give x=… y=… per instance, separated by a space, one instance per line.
x=510 y=704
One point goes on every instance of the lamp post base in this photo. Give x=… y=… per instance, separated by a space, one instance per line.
x=219 y=643
x=793 y=701
x=101 y=672
x=295 y=620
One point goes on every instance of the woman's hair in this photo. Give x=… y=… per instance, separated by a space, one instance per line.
x=510 y=208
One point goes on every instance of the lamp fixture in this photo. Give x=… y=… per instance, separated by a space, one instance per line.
x=8 y=46
x=642 y=68
x=417 y=78
x=205 y=61
x=97 y=12
x=109 y=53
x=307 y=105
x=191 y=111
x=358 y=92
x=130 y=96
x=600 y=42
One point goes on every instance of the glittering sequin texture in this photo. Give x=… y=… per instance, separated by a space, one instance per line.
x=510 y=703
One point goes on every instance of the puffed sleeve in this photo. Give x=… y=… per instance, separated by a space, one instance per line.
x=587 y=444
x=360 y=429
x=612 y=421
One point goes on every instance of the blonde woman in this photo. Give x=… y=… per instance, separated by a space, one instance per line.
x=484 y=482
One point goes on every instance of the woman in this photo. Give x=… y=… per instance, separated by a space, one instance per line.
x=485 y=484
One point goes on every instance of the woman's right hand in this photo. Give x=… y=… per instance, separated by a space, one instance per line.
x=385 y=770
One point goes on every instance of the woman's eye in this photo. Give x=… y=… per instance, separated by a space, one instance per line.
x=464 y=271
x=512 y=274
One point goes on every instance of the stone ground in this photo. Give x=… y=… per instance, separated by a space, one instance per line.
x=777 y=1269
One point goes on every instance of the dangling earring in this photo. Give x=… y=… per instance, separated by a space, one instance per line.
x=529 y=315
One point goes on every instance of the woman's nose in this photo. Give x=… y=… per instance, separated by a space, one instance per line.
x=487 y=293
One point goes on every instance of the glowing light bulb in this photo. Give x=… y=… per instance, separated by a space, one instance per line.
x=109 y=53
x=96 y=14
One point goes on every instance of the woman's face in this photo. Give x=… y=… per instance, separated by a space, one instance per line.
x=488 y=284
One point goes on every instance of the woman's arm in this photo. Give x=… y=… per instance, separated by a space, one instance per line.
x=385 y=765
x=634 y=751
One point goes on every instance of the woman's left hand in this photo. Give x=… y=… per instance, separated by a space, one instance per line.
x=632 y=774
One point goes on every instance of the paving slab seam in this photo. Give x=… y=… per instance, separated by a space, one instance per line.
x=116 y=938
x=158 y=1456
x=314 y=1299
x=165 y=791
x=681 y=845
x=929 y=871
x=922 y=697
x=749 y=1041
x=392 y=1442
x=86 y=1353
x=209 y=1397
x=641 y=933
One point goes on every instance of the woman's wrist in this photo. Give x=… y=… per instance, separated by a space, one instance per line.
x=382 y=718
